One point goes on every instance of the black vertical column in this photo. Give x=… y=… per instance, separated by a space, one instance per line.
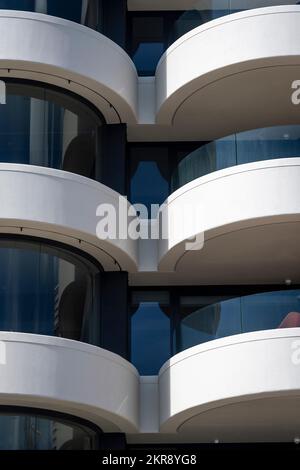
x=114 y=312
x=111 y=159
x=114 y=20
x=113 y=441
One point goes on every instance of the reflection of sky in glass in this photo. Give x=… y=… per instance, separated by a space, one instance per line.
x=29 y=432
x=148 y=185
x=150 y=333
x=28 y=280
x=237 y=149
x=62 y=9
x=147 y=56
x=261 y=311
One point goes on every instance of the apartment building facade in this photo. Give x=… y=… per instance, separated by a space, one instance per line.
x=149 y=223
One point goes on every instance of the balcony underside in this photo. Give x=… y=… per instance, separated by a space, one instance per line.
x=231 y=74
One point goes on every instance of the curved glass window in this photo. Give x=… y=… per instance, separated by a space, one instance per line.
x=204 y=319
x=203 y=11
x=47 y=127
x=86 y=12
x=48 y=290
x=22 y=429
x=152 y=32
x=245 y=147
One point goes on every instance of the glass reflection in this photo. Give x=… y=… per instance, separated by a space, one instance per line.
x=149 y=176
x=26 y=431
x=245 y=147
x=150 y=331
x=205 y=319
x=48 y=290
x=46 y=127
x=203 y=11
x=86 y=12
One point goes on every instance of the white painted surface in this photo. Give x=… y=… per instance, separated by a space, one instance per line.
x=62 y=206
x=53 y=50
x=237 y=70
x=229 y=200
x=149 y=405
x=70 y=377
x=146 y=89
x=225 y=371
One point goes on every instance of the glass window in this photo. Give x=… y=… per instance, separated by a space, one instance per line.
x=147 y=42
x=203 y=160
x=245 y=147
x=271 y=310
x=203 y=319
x=47 y=127
x=151 y=33
x=201 y=12
x=87 y=12
x=150 y=330
x=48 y=290
x=149 y=175
x=29 y=430
x=268 y=143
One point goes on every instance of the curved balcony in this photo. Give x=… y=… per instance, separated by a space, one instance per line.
x=249 y=218
x=198 y=12
x=203 y=320
x=61 y=206
x=237 y=84
x=244 y=388
x=245 y=147
x=59 y=52
x=49 y=289
x=61 y=375
x=42 y=125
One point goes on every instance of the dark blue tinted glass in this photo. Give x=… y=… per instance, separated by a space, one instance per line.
x=147 y=42
x=203 y=11
x=79 y=11
x=267 y=144
x=156 y=31
x=202 y=321
x=46 y=127
x=147 y=56
x=23 y=5
x=150 y=331
x=34 y=432
x=204 y=160
x=245 y=147
x=48 y=291
x=149 y=170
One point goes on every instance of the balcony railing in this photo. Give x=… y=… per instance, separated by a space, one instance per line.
x=202 y=321
x=245 y=147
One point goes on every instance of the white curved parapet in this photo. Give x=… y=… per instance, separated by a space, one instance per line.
x=222 y=206
x=56 y=51
x=231 y=74
x=62 y=206
x=241 y=388
x=70 y=377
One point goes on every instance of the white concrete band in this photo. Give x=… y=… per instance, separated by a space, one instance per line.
x=69 y=377
x=52 y=50
x=62 y=206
